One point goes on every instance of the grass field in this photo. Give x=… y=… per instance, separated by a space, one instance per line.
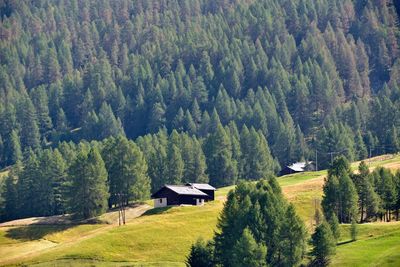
x=163 y=236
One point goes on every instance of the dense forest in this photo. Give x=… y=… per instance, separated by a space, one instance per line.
x=310 y=75
x=209 y=91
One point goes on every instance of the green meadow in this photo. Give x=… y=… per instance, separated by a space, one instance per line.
x=162 y=237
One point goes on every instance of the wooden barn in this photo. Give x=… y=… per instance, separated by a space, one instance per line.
x=171 y=195
x=297 y=167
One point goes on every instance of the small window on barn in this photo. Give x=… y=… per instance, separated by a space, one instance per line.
x=160 y=200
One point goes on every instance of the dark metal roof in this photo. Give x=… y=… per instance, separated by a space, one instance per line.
x=185 y=190
x=182 y=190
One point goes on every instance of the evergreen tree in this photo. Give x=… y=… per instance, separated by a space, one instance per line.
x=293 y=236
x=27 y=117
x=253 y=206
x=174 y=165
x=10 y=194
x=28 y=188
x=15 y=151
x=127 y=171
x=368 y=199
x=323 y=244
x=89 y=190
x=334 y=225
x=257 y=161
x=246 y=251
x=109 y=125
x=221 y=168
x=353 y=230
x=201 y=254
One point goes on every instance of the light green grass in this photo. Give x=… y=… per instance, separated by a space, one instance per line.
x=377 y=245
x=163 y=236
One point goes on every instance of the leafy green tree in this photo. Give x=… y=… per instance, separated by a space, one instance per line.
x=89 y=190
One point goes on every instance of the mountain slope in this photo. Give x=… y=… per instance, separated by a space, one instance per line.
x=148 y=239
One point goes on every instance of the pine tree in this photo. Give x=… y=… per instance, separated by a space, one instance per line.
x=27 y=117
x=58 y=170
x=175 y=165
x=89 y=190
x=323 y=244
x=334 y=225
x=41 y=103
x=257 y=161
x=15 y=151
x=10 y=194
x=109 y=125
x=293 y=236
x=348 y=199
x=353 y=230
x=221 y=168
x=330 y=199
x=247 y=252
x=127 y=171
x=368 y=199
x=200 y=255
x=157 y=118
x=28 y=188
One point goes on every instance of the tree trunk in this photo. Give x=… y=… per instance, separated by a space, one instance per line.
x=362 y=212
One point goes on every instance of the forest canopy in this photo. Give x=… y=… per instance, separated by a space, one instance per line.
x=309 y=75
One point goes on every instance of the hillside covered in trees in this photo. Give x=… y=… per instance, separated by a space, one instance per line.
x=210 y=91
x=307 y=74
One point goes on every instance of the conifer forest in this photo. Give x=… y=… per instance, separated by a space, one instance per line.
x=103 y=102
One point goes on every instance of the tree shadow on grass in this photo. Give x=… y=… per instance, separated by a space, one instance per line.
x=34 y=232
x=156 y=211
x=345 y=242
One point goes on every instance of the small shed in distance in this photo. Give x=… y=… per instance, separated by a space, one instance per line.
x=297 y=167
x=170 y=195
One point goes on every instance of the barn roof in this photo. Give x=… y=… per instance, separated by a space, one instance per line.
x=202 y=186
x=185 y=190
x=299 y=166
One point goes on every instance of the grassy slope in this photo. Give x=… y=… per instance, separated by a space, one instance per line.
x=165 y=237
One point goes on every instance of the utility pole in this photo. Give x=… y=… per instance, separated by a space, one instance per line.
x=316 y=160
